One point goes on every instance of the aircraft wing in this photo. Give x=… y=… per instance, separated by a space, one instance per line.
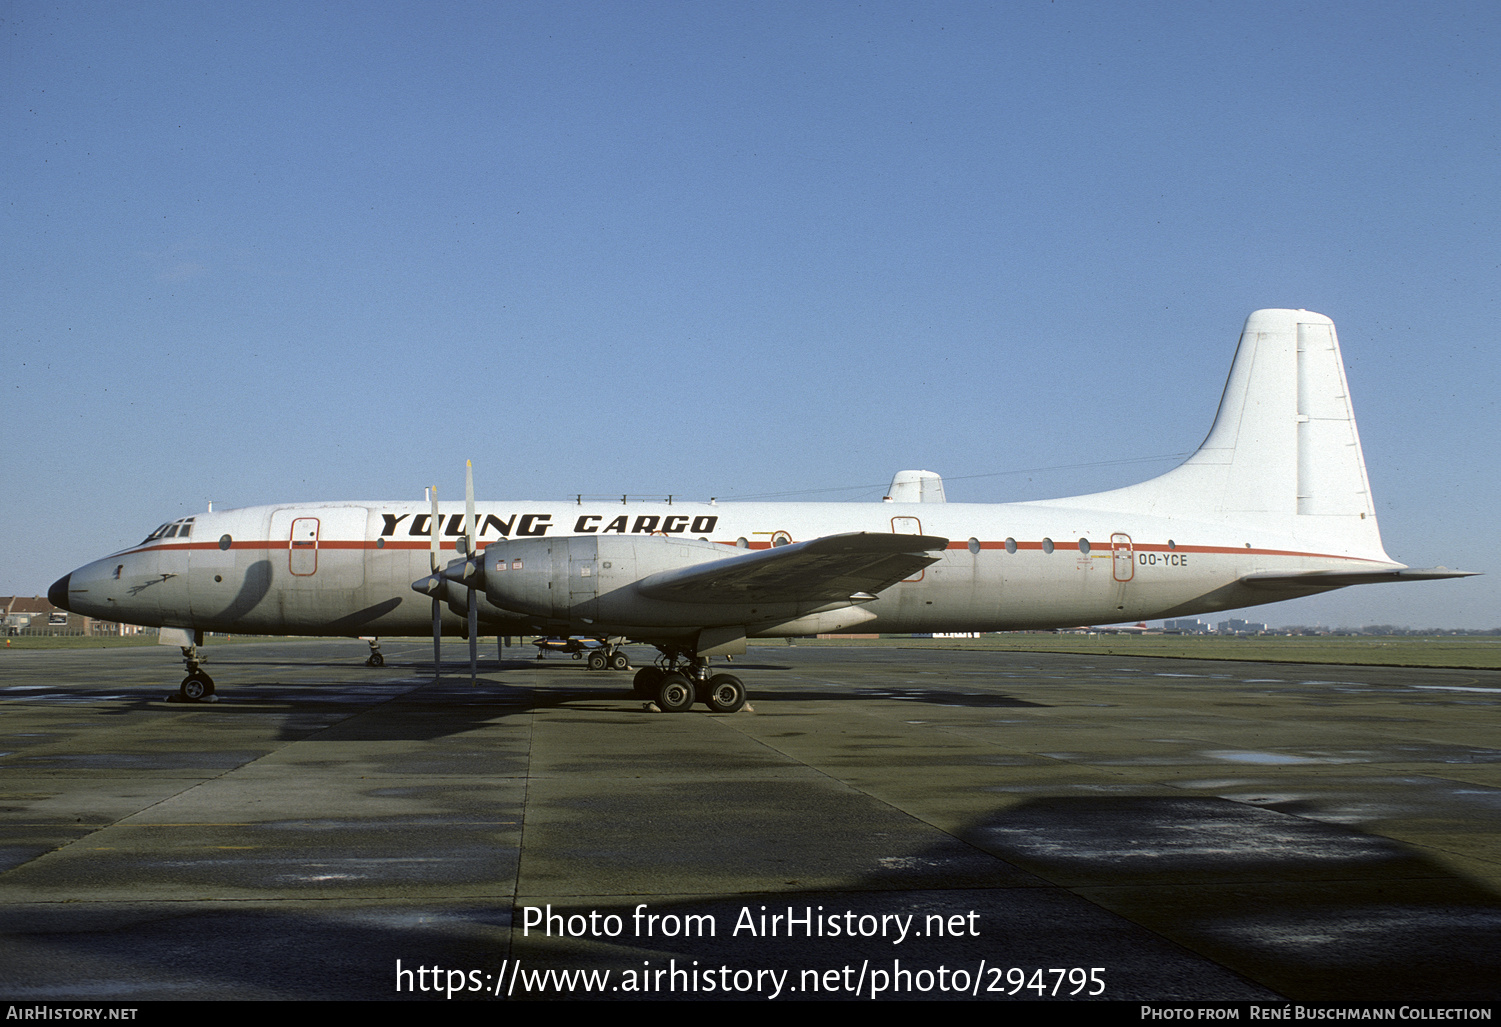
x=1339 y=579
x=830 y=568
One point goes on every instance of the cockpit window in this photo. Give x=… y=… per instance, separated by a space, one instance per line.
x=172 y=529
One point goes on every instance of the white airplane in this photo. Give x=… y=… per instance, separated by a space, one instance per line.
x=1273 y=505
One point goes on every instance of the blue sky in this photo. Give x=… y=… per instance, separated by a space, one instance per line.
x=256 y=253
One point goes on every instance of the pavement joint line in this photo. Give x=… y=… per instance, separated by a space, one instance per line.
x=123 y=821
x=244 y=823
x=259 y=900
x=862 y=791
x=521 y=846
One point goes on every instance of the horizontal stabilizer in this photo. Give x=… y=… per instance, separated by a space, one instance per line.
x=1339 y=579
x=822 y=569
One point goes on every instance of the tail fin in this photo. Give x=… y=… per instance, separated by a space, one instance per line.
x=1283 y=454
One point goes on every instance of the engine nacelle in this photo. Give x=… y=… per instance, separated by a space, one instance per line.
x=615 y=585
x=591 y=579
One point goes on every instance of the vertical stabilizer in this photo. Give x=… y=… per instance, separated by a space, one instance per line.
x=1283 y=454
x=915 y=487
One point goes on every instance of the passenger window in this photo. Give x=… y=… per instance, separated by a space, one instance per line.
x=1047 y=545
x=974 y=546
x=1010 y=545
x=1084 y=546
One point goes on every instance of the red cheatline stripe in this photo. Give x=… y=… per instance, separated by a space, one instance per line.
x=1100 y=549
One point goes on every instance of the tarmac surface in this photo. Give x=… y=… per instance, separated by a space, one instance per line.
x=927 y=824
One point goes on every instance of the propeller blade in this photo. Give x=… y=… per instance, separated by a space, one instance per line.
x=433 y=557
x=473 y=640
x=433 y=525
x=437 y=638
x=469 y=516
x=471 y=525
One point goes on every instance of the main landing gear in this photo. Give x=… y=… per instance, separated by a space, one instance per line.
x=610 y=657
x=376 y=659
x=686 y=680
x=197 y=686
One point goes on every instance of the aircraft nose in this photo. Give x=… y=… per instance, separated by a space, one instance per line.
x=57 y=595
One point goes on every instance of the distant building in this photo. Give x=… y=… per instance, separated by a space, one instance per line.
x=1236 y=626
x=33 y=615
x=1192 y=626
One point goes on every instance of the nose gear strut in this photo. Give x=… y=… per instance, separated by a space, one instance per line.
x=197 y=686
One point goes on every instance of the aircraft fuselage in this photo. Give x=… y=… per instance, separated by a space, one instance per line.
x=347 y=568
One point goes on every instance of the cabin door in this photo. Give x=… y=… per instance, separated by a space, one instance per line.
x=1123 y=562
x=908 y=526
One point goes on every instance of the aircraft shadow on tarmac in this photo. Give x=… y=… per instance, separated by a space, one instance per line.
x=452 y=705
x=1179 y=898
x=1315 y=910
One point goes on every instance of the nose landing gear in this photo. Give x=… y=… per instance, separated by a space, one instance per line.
x=197 y=686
